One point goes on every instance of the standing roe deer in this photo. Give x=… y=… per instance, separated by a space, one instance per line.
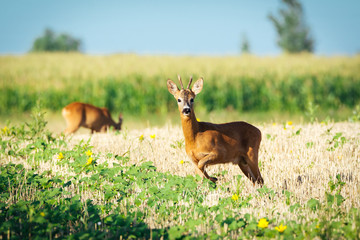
x=78 y=115
x=209 y=143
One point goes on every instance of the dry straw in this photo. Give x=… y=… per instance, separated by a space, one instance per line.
x=298 y=159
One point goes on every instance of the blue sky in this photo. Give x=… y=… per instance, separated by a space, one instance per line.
x=175 y=27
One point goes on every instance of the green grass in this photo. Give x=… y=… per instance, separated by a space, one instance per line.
x=136 y=85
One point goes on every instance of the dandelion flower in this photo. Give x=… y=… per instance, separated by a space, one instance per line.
x=42 y=214
x=235 y=197
x=281 y=228
x=60 y=156
x=289 y=123
x=89 y=161
x=88 y=153
x=263 y=223
x=152 y=136
x=141 y=137
x=5 y=130
x=274 y=124
x=182 y=162
x=317 y=226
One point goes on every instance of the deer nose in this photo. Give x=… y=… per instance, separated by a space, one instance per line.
x=186 y=110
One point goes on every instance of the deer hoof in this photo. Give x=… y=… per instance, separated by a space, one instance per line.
x=213 y=179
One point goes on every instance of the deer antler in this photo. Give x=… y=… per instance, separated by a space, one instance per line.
x=182 y=86
x=189 y=83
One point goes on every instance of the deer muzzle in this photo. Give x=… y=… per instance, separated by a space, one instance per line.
x=186 y=111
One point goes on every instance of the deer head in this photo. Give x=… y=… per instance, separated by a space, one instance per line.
x=185 y=97
x=117 y=126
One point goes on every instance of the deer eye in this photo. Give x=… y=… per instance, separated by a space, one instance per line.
x=179 y=100
x=192 y=100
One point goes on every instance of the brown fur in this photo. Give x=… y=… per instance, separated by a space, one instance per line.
x=209 y=143
x=78 y=115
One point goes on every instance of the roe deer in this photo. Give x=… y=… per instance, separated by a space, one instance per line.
x=209 y=143
x=78 y=115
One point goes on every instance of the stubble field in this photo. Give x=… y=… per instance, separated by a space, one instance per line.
x=141 y=184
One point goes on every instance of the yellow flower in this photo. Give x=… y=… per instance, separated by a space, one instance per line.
x=5 y=130
x=235 y=197
x=182 y=162
x=281 y=228
x=284 y=128
x=141 y=137
x=317 y=226
x=88 y=153
x=289 y=123
x=42 y=214
x=89 y=161
x=263 y=223
x=152 y=136
x=198 y=119
x=340 y=157
x=274 y=124
x=60 y=156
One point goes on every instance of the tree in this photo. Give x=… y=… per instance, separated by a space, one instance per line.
x=293 y=34
x=50 y=42
x=245 y=46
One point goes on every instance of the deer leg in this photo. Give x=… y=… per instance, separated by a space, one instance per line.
x=252 y=161
x=72 y=126
x=73 y=121
x=213 y=179
x=103 y=129
x=197 y=170
x=246 y=169
x=205 y=161
x=203 y=173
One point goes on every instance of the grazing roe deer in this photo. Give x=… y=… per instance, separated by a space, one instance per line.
x=209 y=143
x=78 y=115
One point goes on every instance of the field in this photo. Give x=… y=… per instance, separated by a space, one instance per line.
x=135 y=85
x=139 y=184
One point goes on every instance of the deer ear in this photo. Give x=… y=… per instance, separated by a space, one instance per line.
x=173 y=89
x=197 y=87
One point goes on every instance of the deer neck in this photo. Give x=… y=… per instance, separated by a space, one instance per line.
x=190 y=127
x=111 y=122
